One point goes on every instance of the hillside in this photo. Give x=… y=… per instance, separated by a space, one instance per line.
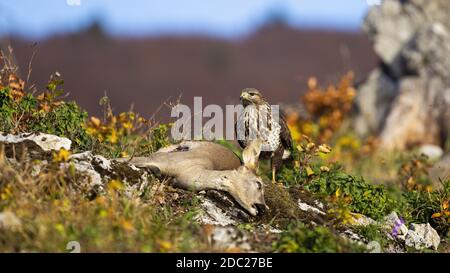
x=152 y=70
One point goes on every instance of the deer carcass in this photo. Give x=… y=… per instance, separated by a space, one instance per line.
x=202 y=165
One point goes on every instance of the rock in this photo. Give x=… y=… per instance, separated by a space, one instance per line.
x=351 y=236
x=389 y=27
x=36 y=144
x=427 y=53
x=373 y=102
x=406 y=99
x=433 y=152
x=419 y=236
x=9 y=221
x=411 y=121
x=90 y=181
x=362 y=220
x=230 y=238
x=213 y=215
x=440 y=171
x=394 y=226
x=422 y=236
x=306 y=207
x=98 y=170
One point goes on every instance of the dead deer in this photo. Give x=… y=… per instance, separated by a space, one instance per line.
x=202 y=165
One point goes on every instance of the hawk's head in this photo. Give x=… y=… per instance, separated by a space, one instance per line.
x=251 y=96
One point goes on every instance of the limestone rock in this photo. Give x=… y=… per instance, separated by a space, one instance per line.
x=230 y=238
x=440 y=171
x=411 y=119
x=394 y=226
x=36 y=143
x=433 y=152
x=405 y=100
x=213 y=215
x=422 y=236
x=362 y=220
x=373 y=101
x=308 y=208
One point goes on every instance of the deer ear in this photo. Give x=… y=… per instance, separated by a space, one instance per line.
x=251 y=153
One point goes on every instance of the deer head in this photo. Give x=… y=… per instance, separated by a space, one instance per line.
x=245 y=185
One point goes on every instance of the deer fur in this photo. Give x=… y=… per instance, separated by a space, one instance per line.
x=202 y=165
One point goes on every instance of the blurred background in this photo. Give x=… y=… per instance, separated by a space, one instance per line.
x=147 y=53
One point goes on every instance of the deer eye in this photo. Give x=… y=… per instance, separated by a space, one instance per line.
x=259 y=184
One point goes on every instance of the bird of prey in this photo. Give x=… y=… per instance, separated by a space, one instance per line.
x=257 y=121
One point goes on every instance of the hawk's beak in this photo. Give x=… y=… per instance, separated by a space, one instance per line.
x=244 y=96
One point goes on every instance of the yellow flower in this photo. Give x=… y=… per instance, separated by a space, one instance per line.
x=112 y=138
x=122 y=117
x=127 y=125
x=103 y=213
x=324 y=169
x=338 y=193
x=310 y=146
x=309 y=171
x=60 y=228
x=95 y=121
x=127 y=225
x=62 y=156
x=324 y=148
x=164 y=245
x=115 y=185
x=142 y=120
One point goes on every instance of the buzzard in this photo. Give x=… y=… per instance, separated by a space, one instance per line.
x=257 y=121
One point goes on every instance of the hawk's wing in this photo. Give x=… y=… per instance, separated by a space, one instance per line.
x=241 y=142
x=285 y=134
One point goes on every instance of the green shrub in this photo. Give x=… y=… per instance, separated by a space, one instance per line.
x=367 y=199
x=432 y=207
x=299 y=238
x=66 y=120
x=373 y=233
x=27 y=114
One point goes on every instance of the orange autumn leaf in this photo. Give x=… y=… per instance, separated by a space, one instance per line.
x=436 y=215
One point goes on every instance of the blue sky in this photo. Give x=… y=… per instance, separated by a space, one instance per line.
x=227 y=18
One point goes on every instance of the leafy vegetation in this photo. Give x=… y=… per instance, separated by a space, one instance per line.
x=52 y=216
x=45 y=113
x=300 y=238
x=431 y=206
x=328 y=163
x=370 y=200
